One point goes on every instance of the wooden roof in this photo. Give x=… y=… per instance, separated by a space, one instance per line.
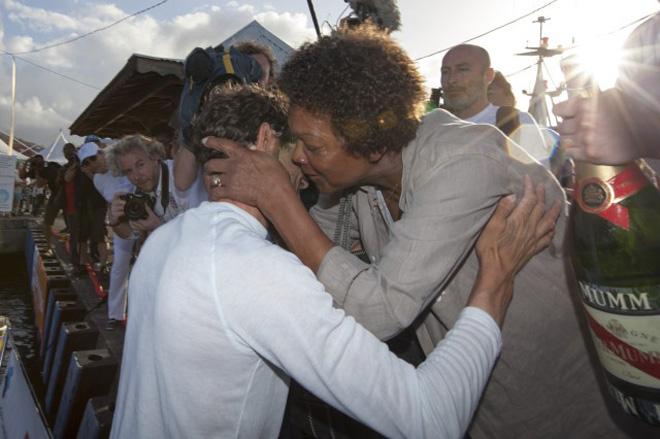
x=141 y=98
x=144 y=95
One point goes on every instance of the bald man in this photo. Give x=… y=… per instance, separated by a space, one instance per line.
x=465 y=76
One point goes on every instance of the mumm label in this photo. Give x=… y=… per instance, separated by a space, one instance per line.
x=620 y=300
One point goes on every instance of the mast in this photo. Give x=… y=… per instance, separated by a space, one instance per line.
x=538 y=106
x=12 y=122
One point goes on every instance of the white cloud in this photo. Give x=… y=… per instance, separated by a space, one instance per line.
x=110 y=11
x=20 y=43
x=38 y=18
x=192 y=21
x=34 y=120
x=49 y=103
x=292 y=28
x=2 y=31
x=249 y=9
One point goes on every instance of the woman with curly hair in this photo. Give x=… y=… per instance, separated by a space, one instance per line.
x=416 y=194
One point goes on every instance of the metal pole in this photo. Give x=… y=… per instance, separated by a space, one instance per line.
x=314 y=20
x=13 y=105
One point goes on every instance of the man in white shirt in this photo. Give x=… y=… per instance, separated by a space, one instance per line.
x=140 y=160
x=223 y=316
x=93 y=160
x=465 y=76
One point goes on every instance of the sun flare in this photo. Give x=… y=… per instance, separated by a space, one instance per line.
x=601 y=59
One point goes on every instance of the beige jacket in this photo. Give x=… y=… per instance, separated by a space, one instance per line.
x=423 y=268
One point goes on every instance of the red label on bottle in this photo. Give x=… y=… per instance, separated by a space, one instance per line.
x=602 y=198
x=646 y=362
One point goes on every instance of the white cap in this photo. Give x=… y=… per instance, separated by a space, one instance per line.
x=89 y=149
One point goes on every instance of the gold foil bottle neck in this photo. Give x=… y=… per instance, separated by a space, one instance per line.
x=604 y=172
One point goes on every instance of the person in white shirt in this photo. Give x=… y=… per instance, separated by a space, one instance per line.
x=140 y=160
x=93 y=160
x=224 y=316
x=466 y=74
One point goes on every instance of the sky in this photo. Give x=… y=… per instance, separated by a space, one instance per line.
x=46 y=102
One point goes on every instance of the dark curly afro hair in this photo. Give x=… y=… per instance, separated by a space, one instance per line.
x=364 y=81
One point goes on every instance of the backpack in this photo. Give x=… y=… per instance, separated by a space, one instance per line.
x=507 y=119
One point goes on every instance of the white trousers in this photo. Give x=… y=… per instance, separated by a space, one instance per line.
x=121 y=260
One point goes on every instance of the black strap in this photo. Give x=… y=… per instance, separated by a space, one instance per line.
x=164 y=186
x=507 y=119
x=341 y=236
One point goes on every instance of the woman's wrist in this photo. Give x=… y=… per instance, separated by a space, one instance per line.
x=297 y=228
x=492 y=292
x=274 y=197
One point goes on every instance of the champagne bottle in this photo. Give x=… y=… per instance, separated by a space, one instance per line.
x=616 y=255
x=616 y=239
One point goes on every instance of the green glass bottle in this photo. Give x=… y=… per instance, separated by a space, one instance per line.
x=616 y=239
x=434 y=100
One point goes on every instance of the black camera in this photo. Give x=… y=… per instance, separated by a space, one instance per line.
x=135 y=207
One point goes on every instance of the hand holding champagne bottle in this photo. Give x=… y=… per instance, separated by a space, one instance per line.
x=616 y=248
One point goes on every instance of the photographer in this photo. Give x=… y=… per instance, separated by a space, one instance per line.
x=93 y=161
x=155 y=199
x=253 y=62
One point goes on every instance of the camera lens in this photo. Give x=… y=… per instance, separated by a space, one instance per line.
x=134 y=208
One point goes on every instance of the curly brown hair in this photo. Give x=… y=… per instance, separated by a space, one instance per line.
x=364 y=81
x=236 y=112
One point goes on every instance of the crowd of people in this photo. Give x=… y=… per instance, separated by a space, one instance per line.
x=426 y=293
x=71 y=191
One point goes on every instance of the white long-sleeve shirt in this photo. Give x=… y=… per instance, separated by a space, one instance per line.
x=219 y=317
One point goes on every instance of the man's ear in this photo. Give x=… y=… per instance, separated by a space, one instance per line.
x=490 y=75
x=267 y=140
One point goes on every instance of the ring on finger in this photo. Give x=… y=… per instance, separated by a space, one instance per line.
x=216 y=181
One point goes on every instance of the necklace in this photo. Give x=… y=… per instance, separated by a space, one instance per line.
x=391 y=199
